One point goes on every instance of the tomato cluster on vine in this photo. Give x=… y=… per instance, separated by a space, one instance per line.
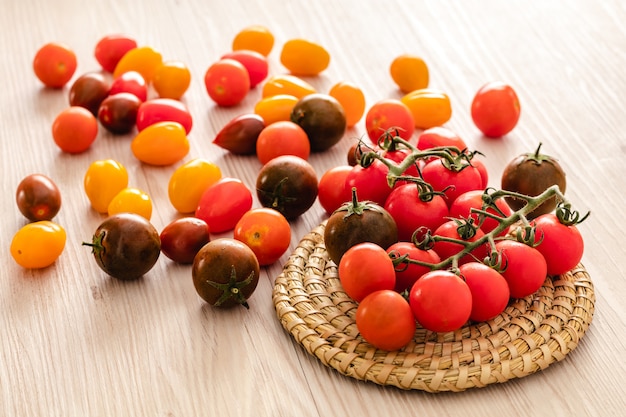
x=460 y=254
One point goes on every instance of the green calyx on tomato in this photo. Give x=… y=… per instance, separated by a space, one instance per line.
x=231 y=290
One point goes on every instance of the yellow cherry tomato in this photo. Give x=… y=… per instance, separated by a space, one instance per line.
x=189 y=181
x=429 y=107
x=351 y=99
x=131 y=200
x=303 y=57
x=171 y=79
x=287 y=84
x=103 y=180
x=145 y=60
x=162 y=143
x=275 y=108
x=38 y=244
x=254 y=38
x=409 y=72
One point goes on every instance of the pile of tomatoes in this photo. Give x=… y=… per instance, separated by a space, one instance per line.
x=401 y=240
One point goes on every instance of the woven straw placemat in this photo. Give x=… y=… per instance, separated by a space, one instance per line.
x=531 y=334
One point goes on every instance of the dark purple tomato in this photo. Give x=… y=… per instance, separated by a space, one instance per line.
x=287 y=184
x=239 y=135
x=183 y=238
x=163 y=110
x=225 y=273
x=130 y=82
x=89 y=90
x=126 y=246
x=38 y=197
x=118 y=113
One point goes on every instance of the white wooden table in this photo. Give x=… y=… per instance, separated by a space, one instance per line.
x=74 y=342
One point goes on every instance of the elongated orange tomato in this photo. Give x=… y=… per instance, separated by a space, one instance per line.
x=103 y=180
x=38 y=244
x=409 y=72
x=352 y=100
x=189 y=181
x=162 y=143
x=303 y=57
x=145 y=60
x=429 y=107
x=275 y=108
x=287 y=84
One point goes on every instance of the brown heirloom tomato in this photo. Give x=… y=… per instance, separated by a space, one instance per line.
x=125 y=246
x=38 y=197
x=322 y=118
x=225 y=273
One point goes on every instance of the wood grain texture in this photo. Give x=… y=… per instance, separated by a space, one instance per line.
x=74 y=342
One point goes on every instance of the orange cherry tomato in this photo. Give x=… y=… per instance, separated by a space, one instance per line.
x=162 y=143
x=38 y=244
x=131 y=200
x=351 y=99
x=103 y=180
x=275 y=108
x=54 y=64
x=227 y=82
x=287 y=84
x=409 y=72
x=74 y=129
x=144 y=59
x=266 y=231
x=303 y=57
x=189 y=181
x=282 y=138
x=364 y=268
x=254 y=38
x=171 y=79
x=429 y=107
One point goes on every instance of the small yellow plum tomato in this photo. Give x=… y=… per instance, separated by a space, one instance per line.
x=275 y=108
x=304 y=57
x=131 y=200
x=54 y=64
x=352 y=100
x=171 y=79
x=144 y=59
x=429 y=107
x=161 y=144
x=74 y=129
x=38 y=244
x=102 y=181
x=287 y=84
x=409 y=72
x=189 y=181
x=255 y=38
x=266 y=231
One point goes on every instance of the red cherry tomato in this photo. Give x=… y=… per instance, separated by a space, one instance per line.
x=385 y=320
x=332 y=190
x=370 y=182
x=163 y=110
x=223 y=204
x=54 y=64
x=406 y=272
x=490 y=291
x=441 y=301
x=227 y=82
x=75 y=129
x=452 y=230
x=111 y=48
x=526 y=268
x=495 y=109
x=562 y=246
x=130 y=82
x=365 y=268
x=410 y=212
x=266 y=231
x=256 y=64
x=439 y=136
x=386 y=114
x=451 y=182
x=462 y=208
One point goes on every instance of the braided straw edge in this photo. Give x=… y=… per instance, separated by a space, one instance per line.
x=531 y=334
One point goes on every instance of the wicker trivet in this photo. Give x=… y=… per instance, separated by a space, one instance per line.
x=531 y=334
